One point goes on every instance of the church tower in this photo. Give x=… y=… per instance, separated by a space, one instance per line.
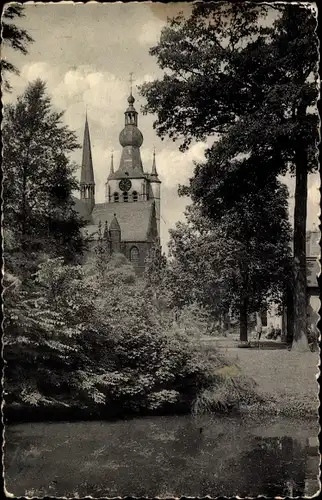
x=87 y=183
x=128 y=183
x=130 y=214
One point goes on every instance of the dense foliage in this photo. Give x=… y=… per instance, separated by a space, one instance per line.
x=236 y=264
x=14 y=37
x=90 y=340
x=233 y=75
x=38 y=180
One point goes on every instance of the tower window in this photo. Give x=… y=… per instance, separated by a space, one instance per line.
x=135 y=196
x=125 y=196
x=134 y=256
x=116 y=197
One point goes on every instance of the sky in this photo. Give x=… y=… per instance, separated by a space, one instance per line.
x=85 y=54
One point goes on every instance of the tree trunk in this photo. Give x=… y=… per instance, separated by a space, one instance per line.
x=259 y=325
x=243 y=320
x=300 y=341
x=289 y=317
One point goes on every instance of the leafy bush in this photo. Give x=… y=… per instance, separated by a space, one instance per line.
x=91 y=338
x=230 y=389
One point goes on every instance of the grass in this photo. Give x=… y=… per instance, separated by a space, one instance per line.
x=286 y=379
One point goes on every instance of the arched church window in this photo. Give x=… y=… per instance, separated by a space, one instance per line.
x=134 y=256
x=116 y=197
x=125 y=196
x=135 y=196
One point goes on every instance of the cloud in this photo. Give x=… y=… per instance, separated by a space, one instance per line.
x=104 y=93
x=313 y=199
x=174 y=167
x=313 y=205
x=150 y=32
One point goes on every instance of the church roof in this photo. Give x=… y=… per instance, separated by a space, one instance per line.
x=134 y=219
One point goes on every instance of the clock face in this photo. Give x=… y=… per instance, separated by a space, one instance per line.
x=125 y=185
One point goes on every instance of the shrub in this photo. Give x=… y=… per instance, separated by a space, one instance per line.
x=230 y=390
x=92 y=338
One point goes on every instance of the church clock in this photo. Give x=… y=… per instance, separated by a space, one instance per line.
x=125 y=185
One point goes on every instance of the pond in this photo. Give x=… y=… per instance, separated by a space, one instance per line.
x=162 y=456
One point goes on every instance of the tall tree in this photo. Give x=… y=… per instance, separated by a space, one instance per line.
x=255 y=86
x=14 y=37
x=239 y=260
x=38 y=178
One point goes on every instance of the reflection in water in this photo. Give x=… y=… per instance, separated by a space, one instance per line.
x=275 y=466
x=160 y=456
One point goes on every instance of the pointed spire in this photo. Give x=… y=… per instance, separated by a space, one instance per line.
x=154 y=166
x=87 y=173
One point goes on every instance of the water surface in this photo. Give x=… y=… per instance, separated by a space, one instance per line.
x=162 y=456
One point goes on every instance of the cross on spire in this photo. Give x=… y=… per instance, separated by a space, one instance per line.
x=131 y=80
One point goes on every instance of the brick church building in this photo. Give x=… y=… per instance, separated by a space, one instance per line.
x=129 y=219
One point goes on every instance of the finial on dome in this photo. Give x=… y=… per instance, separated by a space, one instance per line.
x=131 y=99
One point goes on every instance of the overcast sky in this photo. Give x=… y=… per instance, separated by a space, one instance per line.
x=85 y=54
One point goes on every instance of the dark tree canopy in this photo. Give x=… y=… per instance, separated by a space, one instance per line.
x=13 y=37
x=253 y=87
x=38 y=178
x=223 y=66
x=237 y=260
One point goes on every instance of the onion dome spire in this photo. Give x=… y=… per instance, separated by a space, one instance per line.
x=131 y=139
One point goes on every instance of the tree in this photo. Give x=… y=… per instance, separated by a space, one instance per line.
x=255 y=86
x=13 y=37
x=38 y=178
x=238 y=261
